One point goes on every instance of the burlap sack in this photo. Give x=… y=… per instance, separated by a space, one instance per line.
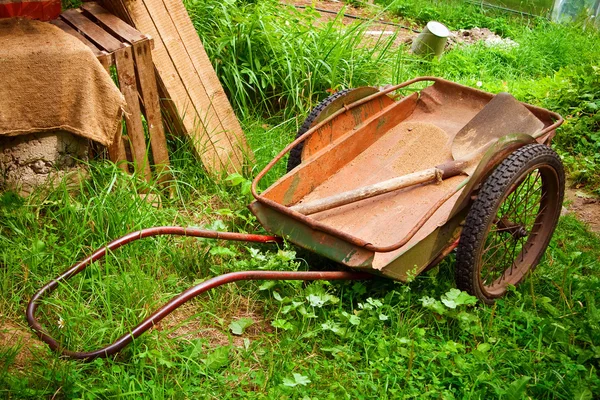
x=49 y=80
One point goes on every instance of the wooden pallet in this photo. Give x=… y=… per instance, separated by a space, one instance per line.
x=194 y=99
x=117 y=44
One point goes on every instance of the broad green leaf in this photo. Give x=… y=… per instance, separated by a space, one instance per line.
x=452 y=346
x=483 y=347
x=218 y=358
x=516 y=390
x=235 y=179
x=354 y=319
x=455 y=297
x=222 y=251
x=296 y=380
x=433 y=304
x=239 y=326
x=333 y=327
x=583 y=394
x=375 y=302
x=308 y=314
x=291 y=307
x=319 y=300
x=267 y=285
x=282 y=324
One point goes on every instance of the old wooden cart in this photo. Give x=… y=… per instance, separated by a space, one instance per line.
x=390 y=187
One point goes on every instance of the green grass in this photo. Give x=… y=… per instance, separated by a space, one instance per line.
x=270 y=57
x=371 y=339
x=377 y=339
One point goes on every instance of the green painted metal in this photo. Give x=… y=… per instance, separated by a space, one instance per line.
x=419 y=257
x=316 y=241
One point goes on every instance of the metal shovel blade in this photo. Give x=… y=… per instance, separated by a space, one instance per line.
x=503 y=115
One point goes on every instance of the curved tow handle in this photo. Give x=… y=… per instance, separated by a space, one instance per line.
x=187 y=295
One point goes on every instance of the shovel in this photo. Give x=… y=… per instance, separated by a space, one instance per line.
x=501 y=116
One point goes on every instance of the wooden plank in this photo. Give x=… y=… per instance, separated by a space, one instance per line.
x=149 y=91
x=117 y=7
x=208 y=76
x=116 y=151
x=218 y=148
x=173 y=122
x=106 y=61
x=112 y=23
x=104 y=58
x=206 y=129
x=92 y=31
x=133 y=119
x=192 y=47
x=176 y=90
x=69 y=29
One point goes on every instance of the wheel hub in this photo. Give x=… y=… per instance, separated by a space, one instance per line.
x=517 y=231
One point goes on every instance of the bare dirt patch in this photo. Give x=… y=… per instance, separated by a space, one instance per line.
x=378 y=24
x=186 y=323
x=18 y=346
x=472 y=36
x=586 y=207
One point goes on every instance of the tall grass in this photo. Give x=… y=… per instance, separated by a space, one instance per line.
x=273 y=58
x=372 y=339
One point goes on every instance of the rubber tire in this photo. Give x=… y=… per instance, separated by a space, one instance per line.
x=295 y=157
x=491 y=196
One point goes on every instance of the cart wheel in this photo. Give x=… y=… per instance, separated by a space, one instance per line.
x=511 y=222
x=295 y=157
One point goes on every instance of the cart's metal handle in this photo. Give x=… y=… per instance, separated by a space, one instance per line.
x=187 y=295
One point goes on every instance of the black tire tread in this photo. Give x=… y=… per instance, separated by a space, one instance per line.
x=485 y=206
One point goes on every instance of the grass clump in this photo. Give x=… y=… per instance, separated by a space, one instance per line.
x=280 y=339
x=455 y=14
x=272 y=58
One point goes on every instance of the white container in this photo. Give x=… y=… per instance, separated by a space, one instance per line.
x=432 y=40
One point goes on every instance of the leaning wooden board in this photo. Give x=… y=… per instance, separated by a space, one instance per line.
x=189 y=82
x=117 y=43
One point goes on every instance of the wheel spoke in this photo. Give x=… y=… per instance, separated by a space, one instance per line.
x=512 y=230
x=507 y=229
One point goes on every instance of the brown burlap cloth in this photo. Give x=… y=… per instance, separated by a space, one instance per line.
x=49 y=80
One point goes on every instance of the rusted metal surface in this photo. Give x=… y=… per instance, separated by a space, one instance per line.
x=294 y=186
x=502 y=115
x=490 y=160
x=312 y=239
x=382 y=146
x=325 y=136
x=424 y=251
x=187 y=295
